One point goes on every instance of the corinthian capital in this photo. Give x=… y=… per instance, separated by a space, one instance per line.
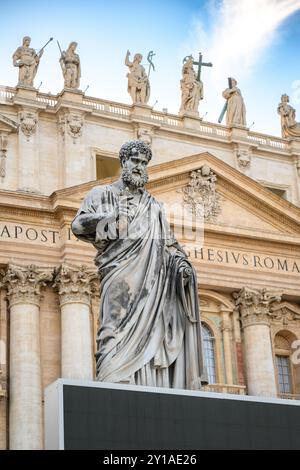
x=75 y=284
x=255 y=305
x=24 y=283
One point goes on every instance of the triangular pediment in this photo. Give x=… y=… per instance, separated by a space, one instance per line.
x=7 y=124
x=285 y=313
x=287 y=307
x=246 y=206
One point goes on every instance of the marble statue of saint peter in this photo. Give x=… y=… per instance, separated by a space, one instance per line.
x=150 y=332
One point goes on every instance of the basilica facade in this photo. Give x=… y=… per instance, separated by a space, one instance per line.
x=53 y=150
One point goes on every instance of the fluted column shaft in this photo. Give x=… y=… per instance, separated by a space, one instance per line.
x=255 y=310
x=75 y=286
x=25 y=399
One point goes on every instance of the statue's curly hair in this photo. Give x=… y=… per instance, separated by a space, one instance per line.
x=126 y=148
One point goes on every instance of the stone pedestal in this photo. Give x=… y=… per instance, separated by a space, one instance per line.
x=254 y=306
x=75 y=286
x=239 y=134
x=71 y=95
x=25 y=409
x=191 y=120
x=294 y=145
x=25 y=93
x=81 y=415
x=28 y=149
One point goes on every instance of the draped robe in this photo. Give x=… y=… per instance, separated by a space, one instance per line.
x=150 y=332
x=236 y=110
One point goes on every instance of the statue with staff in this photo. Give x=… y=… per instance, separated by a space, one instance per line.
x=138 y=79
x=70 y=65
x=234 y=106
x=289 y=126
x=27 y=59
x=191 y=84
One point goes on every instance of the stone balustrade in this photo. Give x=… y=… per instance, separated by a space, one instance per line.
x=264 y=140
x=289 y=396
x=104 y=107
x=6 y=94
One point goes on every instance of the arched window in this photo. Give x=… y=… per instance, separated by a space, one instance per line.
x=209 y=353
x=286 y=372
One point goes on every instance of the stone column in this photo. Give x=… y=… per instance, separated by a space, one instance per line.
x=24 y=286
x=75 y=286
x=255 y=307
x=226 y=330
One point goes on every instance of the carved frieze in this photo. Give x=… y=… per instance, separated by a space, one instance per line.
x=72 y=123
x=28 y=123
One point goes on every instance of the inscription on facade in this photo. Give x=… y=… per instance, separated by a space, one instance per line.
x=243 y=259
x=24 y=233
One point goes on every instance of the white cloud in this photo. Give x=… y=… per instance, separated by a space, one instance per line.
x=234 y=39
x=241 y=31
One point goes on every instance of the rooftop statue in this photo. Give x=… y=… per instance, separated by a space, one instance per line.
x=191 y=88
x=70 y=65
x=138 y=81
x=235 y=106
x=27 y=59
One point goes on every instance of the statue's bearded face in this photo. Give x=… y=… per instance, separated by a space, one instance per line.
x=26 y=41
x=134 y=169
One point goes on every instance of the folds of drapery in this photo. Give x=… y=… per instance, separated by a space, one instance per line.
x=149 y=316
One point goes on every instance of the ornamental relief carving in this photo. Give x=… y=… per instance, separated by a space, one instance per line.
x=145 y=135
x=243 y=158
x=72 y=123
x=24 y=283
x=200 y=194
x=28 y=123
x=75 y=283
x=3 y=152
x=285 y=314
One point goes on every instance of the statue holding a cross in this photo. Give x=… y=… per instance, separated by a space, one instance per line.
x=191 y=85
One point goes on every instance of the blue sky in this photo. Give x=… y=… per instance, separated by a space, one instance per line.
x=255 y=41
